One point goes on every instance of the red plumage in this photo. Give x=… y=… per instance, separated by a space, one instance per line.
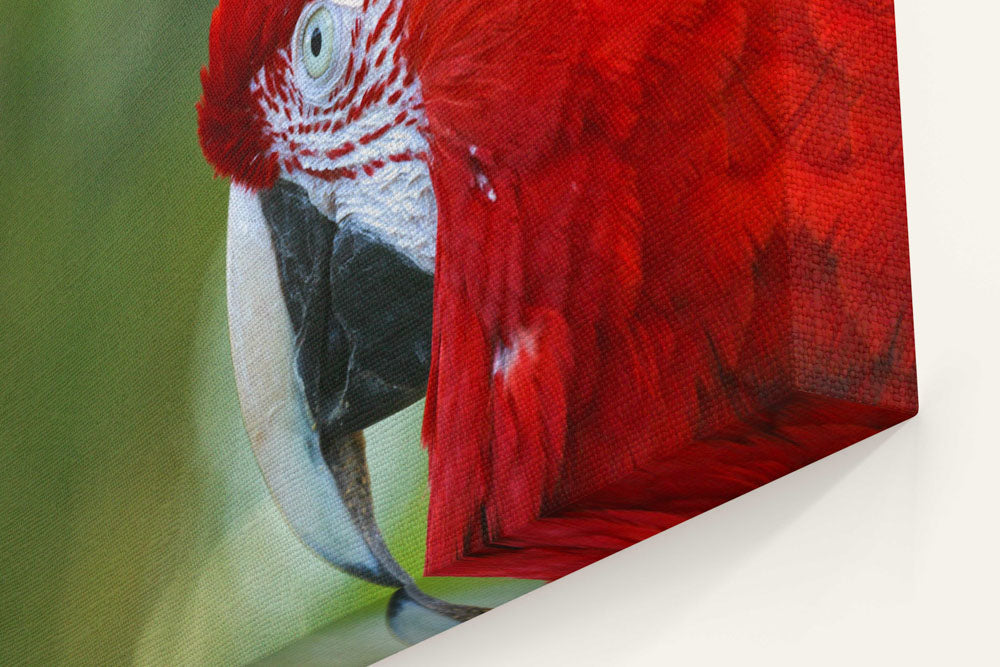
x=671 y=259
x=623 y=189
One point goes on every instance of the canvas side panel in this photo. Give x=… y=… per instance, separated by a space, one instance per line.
x=852 y=323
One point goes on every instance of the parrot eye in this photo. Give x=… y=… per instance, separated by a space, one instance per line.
x=318 y=42
x=321 y=44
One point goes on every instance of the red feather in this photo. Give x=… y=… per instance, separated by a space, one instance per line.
x=245 y=36
x=671 y=260
x=619 y=188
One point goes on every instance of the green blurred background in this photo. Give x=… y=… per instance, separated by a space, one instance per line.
x=135 y=526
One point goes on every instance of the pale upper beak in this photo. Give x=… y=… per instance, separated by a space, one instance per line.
x=331 y=331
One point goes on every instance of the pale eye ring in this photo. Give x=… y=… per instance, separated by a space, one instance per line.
x=318 y=42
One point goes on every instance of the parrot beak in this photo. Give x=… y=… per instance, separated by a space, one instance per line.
x=330 y=333
x=360 y=310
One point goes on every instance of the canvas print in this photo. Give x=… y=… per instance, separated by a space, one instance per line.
x=636 y=259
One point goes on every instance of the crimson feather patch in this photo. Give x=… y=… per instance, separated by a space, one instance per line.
x=728 y=293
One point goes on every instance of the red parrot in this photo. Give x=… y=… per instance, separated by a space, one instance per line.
x=556 y=218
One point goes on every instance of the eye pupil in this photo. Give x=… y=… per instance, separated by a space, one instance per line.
x=316 y=42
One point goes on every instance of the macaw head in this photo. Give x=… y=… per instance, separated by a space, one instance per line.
x=311 y=111
x=319 y=94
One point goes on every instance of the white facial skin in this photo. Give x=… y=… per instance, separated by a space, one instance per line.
x=347 y=124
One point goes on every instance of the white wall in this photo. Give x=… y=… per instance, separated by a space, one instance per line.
x=886 y=553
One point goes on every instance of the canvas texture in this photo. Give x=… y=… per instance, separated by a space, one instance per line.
x=481 y=293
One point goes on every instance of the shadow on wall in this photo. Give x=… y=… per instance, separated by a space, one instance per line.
x=728 y=552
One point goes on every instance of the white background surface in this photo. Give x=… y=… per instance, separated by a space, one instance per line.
x=887 y=553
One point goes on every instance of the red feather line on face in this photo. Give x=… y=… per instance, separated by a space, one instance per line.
x=249 y=77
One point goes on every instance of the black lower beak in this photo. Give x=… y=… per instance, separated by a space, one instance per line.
x=360 y=311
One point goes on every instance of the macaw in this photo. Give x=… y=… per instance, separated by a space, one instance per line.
x=493 y=204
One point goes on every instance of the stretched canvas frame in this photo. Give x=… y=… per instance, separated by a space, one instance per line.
x=778 y=329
